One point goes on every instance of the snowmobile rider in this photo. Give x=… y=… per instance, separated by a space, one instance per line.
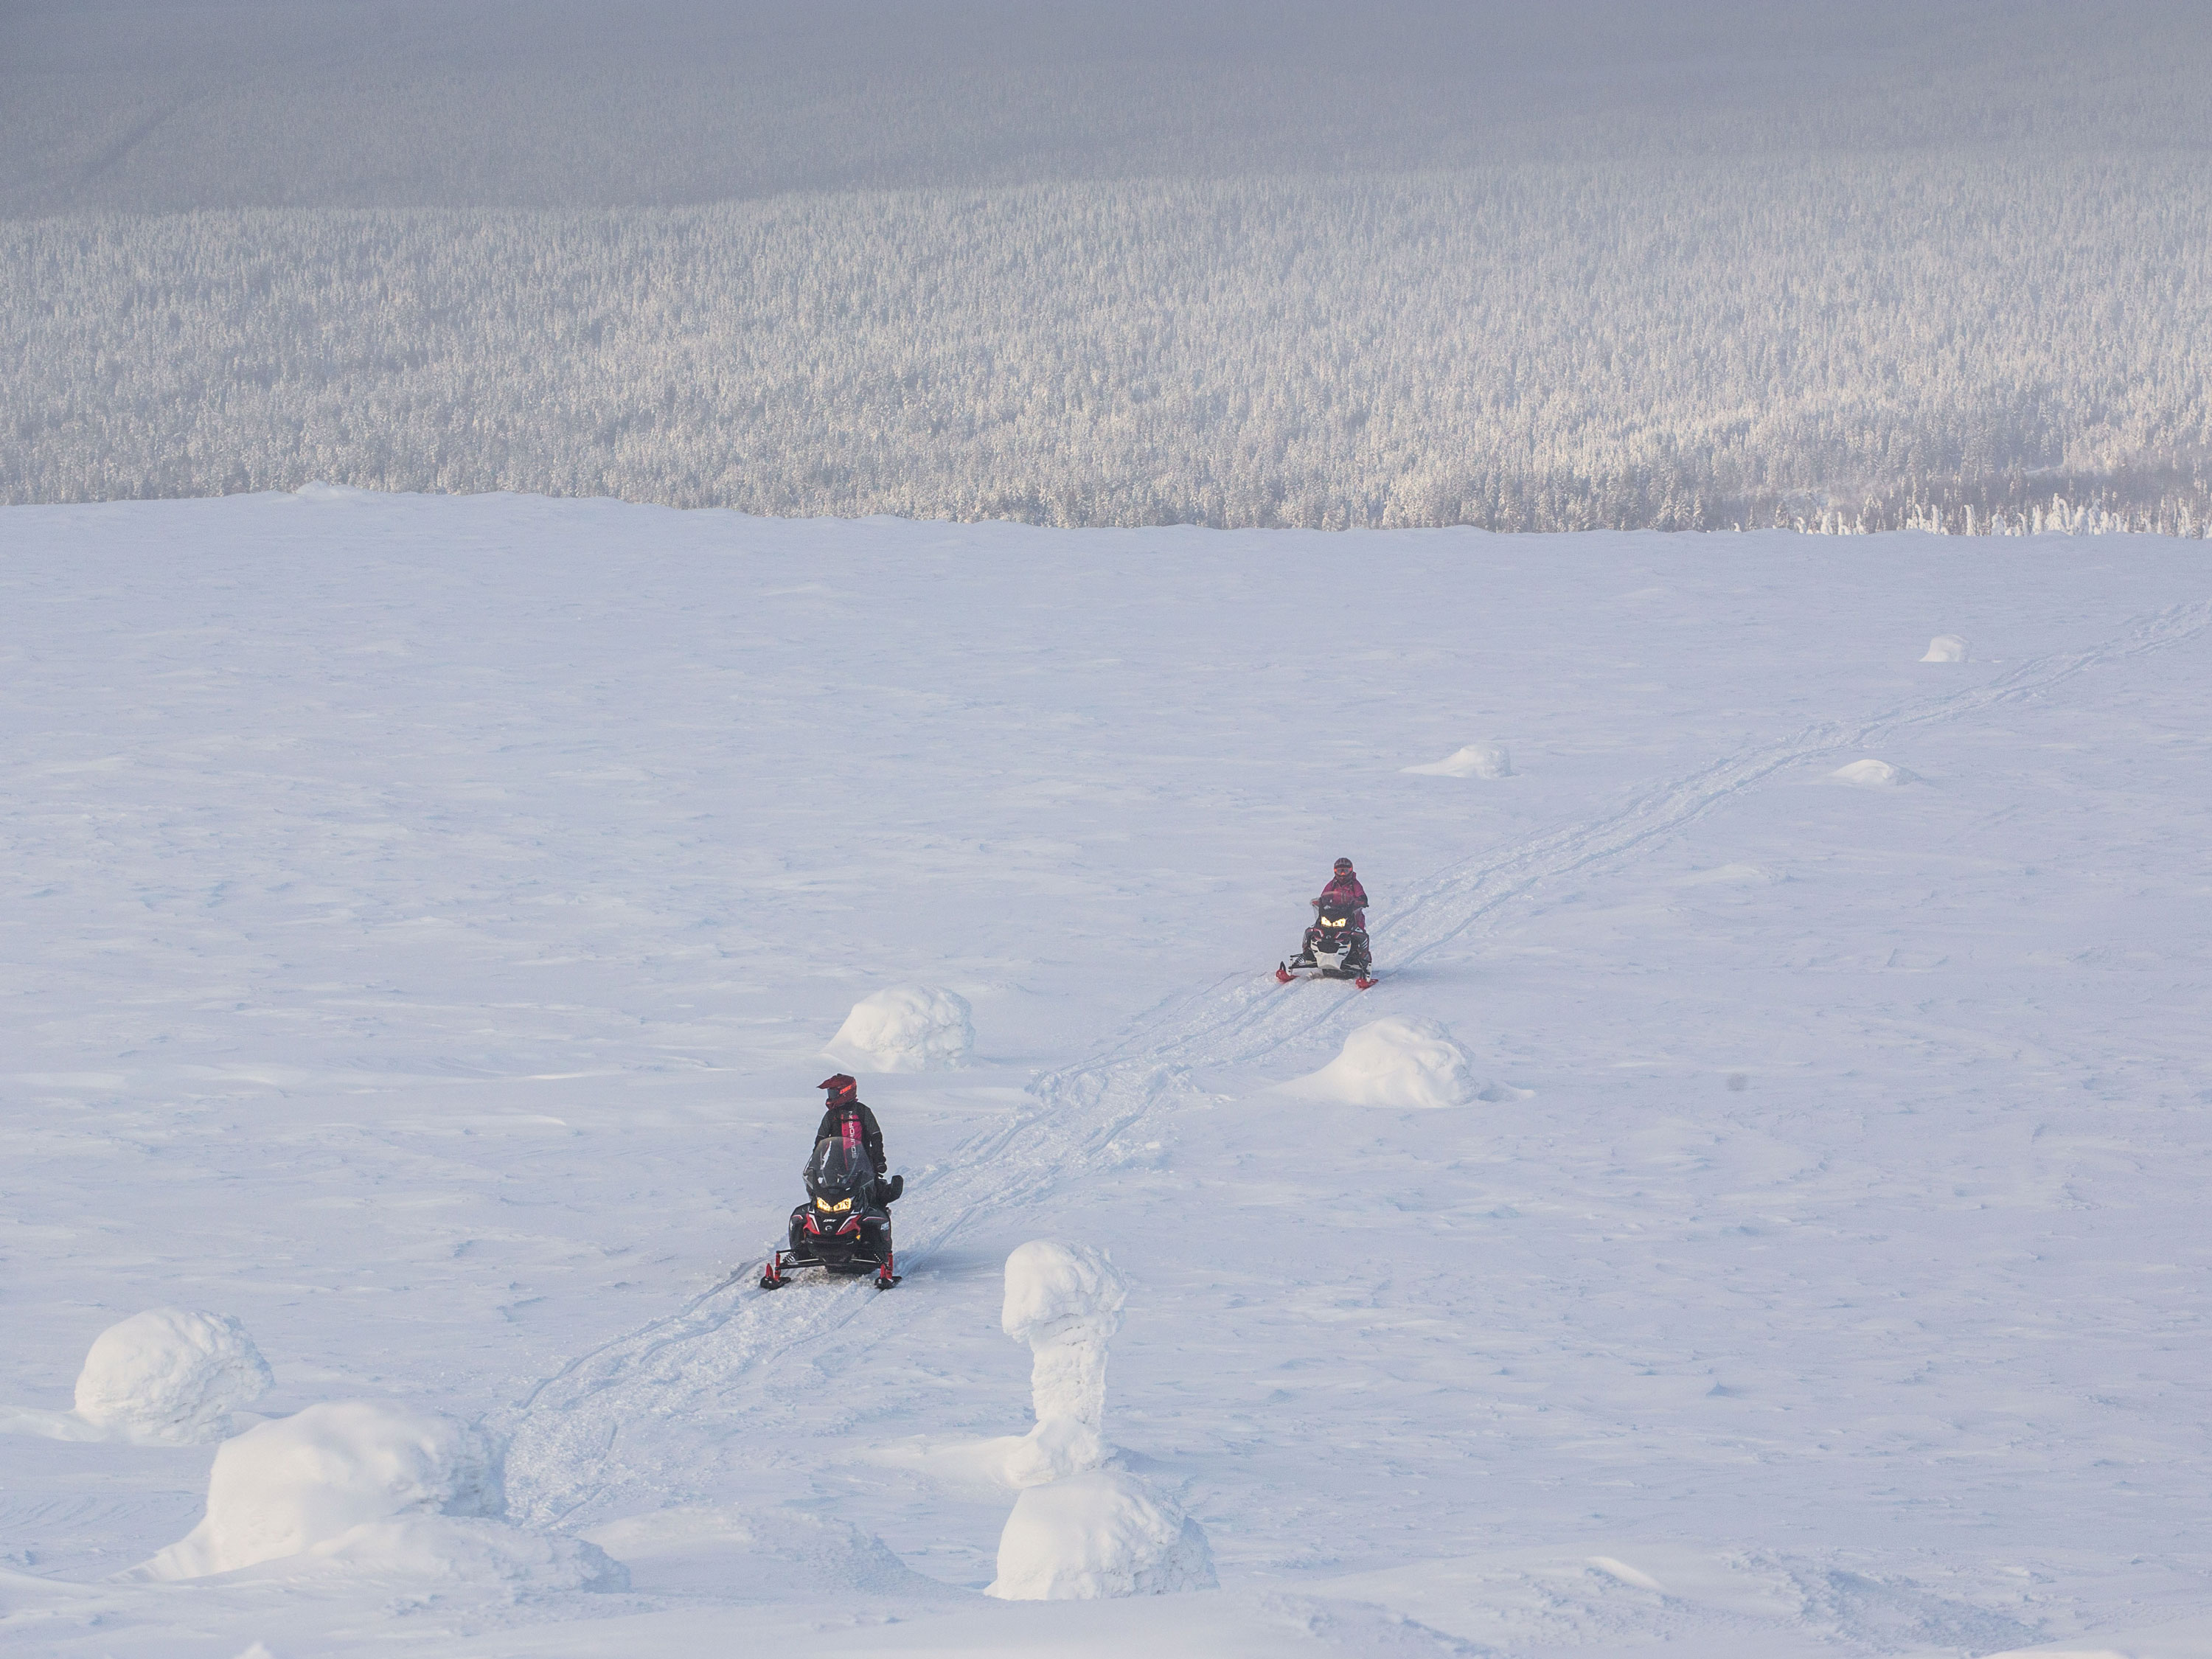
x=1344 y=888
x=841 y=1104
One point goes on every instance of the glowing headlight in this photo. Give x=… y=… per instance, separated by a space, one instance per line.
x=1326 y=922
x=827 y=1207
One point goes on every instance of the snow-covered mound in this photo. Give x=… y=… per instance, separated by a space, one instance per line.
x=1394 y=1062
x=171 y=1376
x=1100 y=1533
x=1731 y=875
x=905 y=1028
x=371 y=1485
x=1946 y=647
x=1080 y=1531
x=1871 y=774
x=1064 y=1301
x=1477 y=760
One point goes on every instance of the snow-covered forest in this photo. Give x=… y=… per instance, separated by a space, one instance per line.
x=1611 y=266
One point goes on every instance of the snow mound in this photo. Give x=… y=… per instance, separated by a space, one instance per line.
x=1477 y=760
x=1064 y=1301
x=1871 y=774
x=1730 y=875
x=1054 y=1290
x=171 y=1376
x=905 y=1028
x=1096 y=1535
x=1397 y=1061
x=1946 y=647
x=378 y=1487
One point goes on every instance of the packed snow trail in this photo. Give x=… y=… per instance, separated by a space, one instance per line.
x=587 y=1434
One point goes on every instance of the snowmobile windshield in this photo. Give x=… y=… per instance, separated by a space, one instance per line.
x=838 y=1167
x=1334 y=916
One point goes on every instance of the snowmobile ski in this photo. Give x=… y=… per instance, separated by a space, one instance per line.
x=1290 y=972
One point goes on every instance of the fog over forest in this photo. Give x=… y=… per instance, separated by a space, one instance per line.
x=1530 y=266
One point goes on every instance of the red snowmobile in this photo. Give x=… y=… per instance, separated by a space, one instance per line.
x=844 y=1228
x=1335 y=948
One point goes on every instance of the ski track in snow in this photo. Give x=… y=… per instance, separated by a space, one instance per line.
x=587 y=1434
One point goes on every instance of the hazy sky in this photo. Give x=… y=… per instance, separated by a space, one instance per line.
x=160 y=107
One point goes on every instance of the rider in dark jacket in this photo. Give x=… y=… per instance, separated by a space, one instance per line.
x=842 y=1105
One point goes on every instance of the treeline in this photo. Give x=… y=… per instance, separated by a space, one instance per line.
x=1863 y=342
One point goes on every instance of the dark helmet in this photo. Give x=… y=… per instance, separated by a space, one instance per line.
x=842 y=1088
x=1344 y=866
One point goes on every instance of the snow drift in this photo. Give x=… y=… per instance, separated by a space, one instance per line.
x=373 y=1484
x=1394 y=1062
x=704 y=1549
x=1946 y=647
x=905 y=1028
x=1477 y=760
x=1096 y=1535
x=170 y=1377
x=1871 y=774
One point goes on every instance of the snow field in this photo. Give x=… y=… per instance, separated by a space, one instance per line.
x=1946 y=647
x=386 y=944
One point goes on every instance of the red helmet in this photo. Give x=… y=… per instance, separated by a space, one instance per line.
x=841 y=1087
x=1344 y=866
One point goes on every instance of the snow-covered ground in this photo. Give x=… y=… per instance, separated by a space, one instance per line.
x=425 y=920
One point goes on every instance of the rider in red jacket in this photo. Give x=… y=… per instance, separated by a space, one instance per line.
x=1344 y=888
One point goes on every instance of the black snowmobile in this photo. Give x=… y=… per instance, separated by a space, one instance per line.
x=844 y=1228
x=1335 y=948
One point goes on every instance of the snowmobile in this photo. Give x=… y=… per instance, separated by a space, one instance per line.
x=1335 y=948
x=844 y=1228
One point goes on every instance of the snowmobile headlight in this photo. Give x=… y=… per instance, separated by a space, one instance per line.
x=1328 y=922
x=827 y=1207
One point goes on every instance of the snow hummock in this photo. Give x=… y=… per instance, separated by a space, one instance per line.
x=905 y=1028
x=1080 y=1530
x=1100 y=1533
x=375 y=1485
x=1064 y=1301
x=170 y=1377
x=1946 y=647
x=1731 y=875
x=1871 y=774
x=1394 y=1062
x=1477 y=760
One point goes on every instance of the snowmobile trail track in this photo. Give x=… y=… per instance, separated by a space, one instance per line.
x=706 y=1368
